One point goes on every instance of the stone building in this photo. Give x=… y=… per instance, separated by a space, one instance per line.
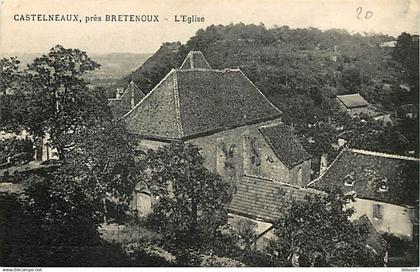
x=375 y=180
x=238 y=130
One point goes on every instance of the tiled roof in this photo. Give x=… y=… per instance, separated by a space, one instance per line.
x=188 y=103
x=353 y=100
x=195 y=60
x=124 y=104
x=265 y=199
x=368 y=170
x=285 y=144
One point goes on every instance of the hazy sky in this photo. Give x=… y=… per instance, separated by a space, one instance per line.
x=386 y=16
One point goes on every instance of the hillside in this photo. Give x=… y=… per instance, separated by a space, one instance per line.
x=301 y=70
x=155 y=67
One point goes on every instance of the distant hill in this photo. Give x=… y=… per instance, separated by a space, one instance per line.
x=154 y=68
x=114 y=66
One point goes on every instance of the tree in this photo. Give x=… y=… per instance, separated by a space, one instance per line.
x=317 y=232
x=104 y=163
x=54 y=98
x=10 y=75
x=351 y=79
x=192 y=200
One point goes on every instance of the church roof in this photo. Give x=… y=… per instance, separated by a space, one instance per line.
x=353 y=100
x=193 y=102
x=285 y=144
x=195 y=60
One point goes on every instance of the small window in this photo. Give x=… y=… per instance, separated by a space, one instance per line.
x=383 y=186
x=348 y=180
x=377 y=211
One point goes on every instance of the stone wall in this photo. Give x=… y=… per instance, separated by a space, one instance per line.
x=396 y=220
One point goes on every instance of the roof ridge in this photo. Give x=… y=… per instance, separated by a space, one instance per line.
x=341 y=95
x=147 y=95
x=182 y=64
x=328 y=168
x=384 y=155
x=209 y=70
x=281 y=183
x=177 y=105
x=135 y=85
x=191 y=56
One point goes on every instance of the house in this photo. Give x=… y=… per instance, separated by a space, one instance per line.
x=354 y=104
x=408 y=111
x=238 y=130
x=390 y=44
x=385 y=119
x=376 y=182
x=125 y=100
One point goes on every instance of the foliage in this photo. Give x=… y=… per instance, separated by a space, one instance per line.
x=66 y=204
x=64 y=214
x=192 y=199
x=102 y=168
x=22 y=243
x=301 y=71
x=16 y=150
x=9 y=73
x=54 y=98
x=405 y=187
x=406 y=53
x=402 y=253
x=318 y=232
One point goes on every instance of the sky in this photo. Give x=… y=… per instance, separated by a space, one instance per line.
x=16 y=36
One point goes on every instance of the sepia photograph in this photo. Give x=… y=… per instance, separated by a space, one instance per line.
x=218 y=133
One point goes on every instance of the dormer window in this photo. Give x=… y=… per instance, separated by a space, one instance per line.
x=383 y=186
x=349 y=180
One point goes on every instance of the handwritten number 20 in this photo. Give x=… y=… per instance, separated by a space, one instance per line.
x=363 y=15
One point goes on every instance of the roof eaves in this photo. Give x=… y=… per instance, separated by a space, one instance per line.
x=213 y=131
x=185 y=60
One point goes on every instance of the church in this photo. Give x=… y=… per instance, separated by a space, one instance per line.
x=239 y=131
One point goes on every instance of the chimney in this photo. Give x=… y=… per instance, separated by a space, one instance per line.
x=323 y=164
x=120 y=92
